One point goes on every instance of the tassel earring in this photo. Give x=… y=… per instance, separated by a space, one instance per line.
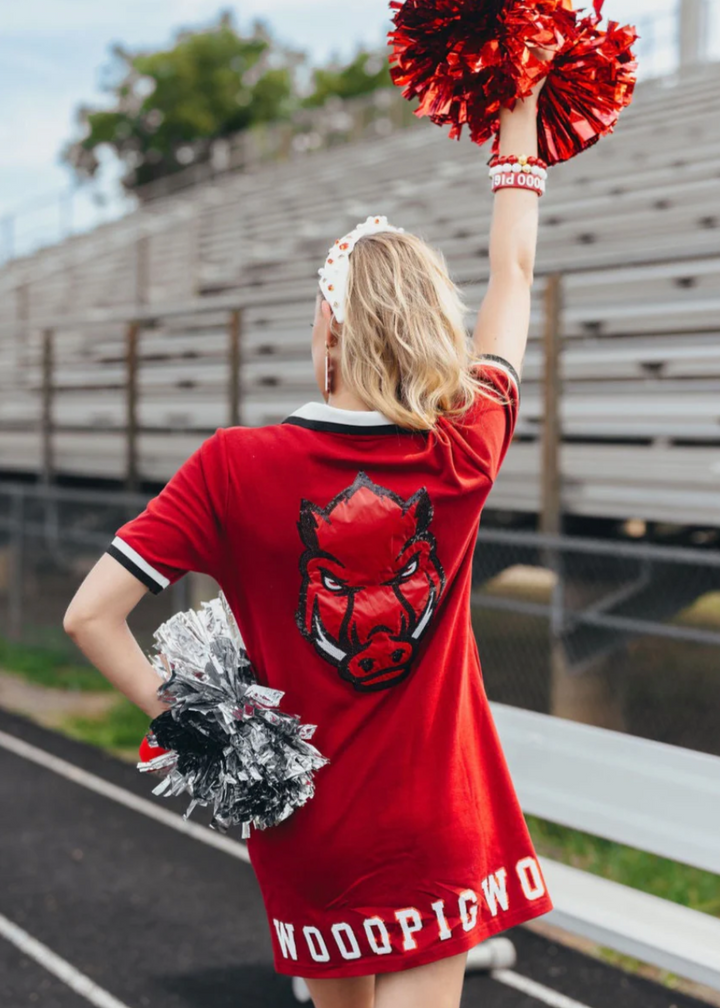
x=330 y=366
x=329 y=373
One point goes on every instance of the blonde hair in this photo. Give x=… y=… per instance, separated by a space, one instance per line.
x=404 y=347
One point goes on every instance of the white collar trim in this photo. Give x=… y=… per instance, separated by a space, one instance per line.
x=334 y=414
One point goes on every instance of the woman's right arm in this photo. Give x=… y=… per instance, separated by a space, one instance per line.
x=504 y=317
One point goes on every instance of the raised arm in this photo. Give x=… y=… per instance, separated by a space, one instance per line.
x=504 y=317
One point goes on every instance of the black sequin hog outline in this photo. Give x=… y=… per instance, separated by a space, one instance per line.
x=370 y=658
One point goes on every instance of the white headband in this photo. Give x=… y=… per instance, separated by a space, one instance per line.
x=334 y=271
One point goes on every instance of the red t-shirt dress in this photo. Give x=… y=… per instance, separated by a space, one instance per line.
x=344 y=545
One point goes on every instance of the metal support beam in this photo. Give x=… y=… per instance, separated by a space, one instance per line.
x=46 y=412
x=15 y=572
x=131 y=396
x=551 y=487
x=142 y=271
x=693 y=32
x=583 y=697
x=550 y=518
x=235 y=368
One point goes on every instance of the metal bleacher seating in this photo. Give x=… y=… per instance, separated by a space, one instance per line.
x=633 y=225
x=615 y=786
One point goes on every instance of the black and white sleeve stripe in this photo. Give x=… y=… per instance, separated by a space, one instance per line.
x=493 y=360
x=137 y=565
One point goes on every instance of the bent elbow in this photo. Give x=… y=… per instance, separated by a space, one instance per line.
x=70 y=624
x=74 y=621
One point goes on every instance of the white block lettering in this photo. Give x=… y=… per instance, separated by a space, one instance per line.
x=469 y=919
x=528 y=871
x=444 y=929
x=287 y=938
x=316 y=944
x=494 y=888
x=404 y=917
x=353 y=952
x=379 y=923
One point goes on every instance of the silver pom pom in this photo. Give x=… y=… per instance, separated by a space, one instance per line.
x=230 y=748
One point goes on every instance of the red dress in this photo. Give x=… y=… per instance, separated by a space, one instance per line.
x=344 y=545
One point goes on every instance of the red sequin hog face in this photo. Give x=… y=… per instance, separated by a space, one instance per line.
x=371 y=581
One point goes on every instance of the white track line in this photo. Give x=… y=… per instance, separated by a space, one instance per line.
x=148 y=808
x=534 y=989
x=73 y=978
x=205 y=835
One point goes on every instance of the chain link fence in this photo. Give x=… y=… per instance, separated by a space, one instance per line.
x=618 y=634
x=50 y=537
x=621 y=635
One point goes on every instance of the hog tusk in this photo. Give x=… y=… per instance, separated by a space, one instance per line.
x=426 y=615
x=336 y=653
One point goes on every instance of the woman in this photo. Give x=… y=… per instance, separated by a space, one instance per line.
x=343 y=539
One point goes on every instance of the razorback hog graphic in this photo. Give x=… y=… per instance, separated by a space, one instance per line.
x=371 y=581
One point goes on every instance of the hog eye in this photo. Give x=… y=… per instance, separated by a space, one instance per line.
x=331 y=584
x=410 y=569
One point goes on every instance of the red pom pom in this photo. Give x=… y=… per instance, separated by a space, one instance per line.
x=466 y=60
x=589 y=84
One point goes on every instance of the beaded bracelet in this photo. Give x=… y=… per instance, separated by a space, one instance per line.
x=518 y=180
x=512 y=171
x=523 y=159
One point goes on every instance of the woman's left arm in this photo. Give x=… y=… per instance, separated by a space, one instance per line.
x=180 y=530
x=96 y=620
x=504 y=318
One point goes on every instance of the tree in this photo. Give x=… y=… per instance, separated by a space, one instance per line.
x=367 y=72
x=169 y=106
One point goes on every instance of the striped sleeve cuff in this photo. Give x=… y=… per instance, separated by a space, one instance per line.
x=137 y=565
x=493 y=360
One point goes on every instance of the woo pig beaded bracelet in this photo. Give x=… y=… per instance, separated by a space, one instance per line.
x=512 y=171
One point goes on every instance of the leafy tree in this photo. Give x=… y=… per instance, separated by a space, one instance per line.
x=169 y=106
x=367 y=72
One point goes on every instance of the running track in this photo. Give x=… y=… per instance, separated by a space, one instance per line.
x=103 y=905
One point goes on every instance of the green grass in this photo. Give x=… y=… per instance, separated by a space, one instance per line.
x=631 y=965
x=649 y=873
x=121 y=728
x=50 y=667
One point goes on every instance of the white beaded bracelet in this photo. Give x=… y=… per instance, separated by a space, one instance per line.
x=516 y=167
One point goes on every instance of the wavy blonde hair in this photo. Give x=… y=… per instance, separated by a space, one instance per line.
x=404 y=347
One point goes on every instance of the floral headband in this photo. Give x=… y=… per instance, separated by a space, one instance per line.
x=334 y=271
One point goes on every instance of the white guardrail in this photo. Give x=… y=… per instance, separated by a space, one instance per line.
x=656 y=797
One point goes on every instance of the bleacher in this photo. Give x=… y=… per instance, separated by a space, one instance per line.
x=633 y=225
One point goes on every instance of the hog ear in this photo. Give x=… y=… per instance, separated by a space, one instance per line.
x=420 y=507
x=309 y=523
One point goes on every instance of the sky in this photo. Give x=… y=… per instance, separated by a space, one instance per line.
x=52 y=53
